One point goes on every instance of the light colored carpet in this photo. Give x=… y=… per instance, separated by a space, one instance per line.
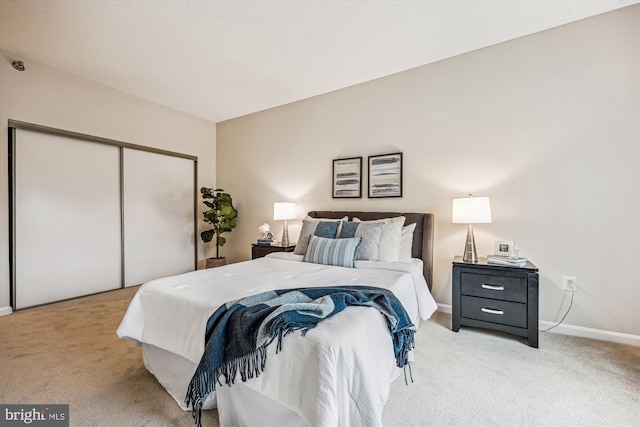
x=69 y=353
x=477 y=377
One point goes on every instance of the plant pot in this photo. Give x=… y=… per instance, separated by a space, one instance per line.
x=216 y=262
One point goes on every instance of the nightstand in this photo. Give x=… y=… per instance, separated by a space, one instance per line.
x=258 y=251
x=496 y=297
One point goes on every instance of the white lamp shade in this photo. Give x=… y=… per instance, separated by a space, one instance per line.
x=284 y=210
x=471 y=210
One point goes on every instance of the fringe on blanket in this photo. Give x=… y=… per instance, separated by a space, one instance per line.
x=253 y=364
x=406 y=344
x=250 y=365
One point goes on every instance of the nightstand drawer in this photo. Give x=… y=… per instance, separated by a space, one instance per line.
x=495 y=311
x=504 y=288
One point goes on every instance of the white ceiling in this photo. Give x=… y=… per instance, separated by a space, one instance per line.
x=224 y=59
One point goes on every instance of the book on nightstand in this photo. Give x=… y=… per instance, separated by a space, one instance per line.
x=265 y=242
x=506 y=261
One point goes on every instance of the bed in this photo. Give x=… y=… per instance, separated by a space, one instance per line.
x=339 y=373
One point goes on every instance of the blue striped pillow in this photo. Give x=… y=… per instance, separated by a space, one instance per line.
x=340 y=252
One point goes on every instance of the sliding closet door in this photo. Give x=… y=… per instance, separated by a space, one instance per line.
x=66 y=218
x=159 y=192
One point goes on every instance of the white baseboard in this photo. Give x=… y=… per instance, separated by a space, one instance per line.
x=5 y=310
x=596 y=334
x=445 y=308
x=577 y=331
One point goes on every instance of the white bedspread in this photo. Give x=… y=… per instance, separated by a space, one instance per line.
x=338 y=374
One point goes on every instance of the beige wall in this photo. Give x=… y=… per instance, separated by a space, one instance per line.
x=46 y=96
x=545 y=125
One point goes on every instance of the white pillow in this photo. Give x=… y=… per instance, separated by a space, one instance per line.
x=308 y=229
x=406 y=242
x=389 y=247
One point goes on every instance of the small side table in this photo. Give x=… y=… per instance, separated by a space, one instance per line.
x=495 y=297
x=258 y=251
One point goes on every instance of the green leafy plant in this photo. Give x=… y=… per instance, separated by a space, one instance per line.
x=221 y=215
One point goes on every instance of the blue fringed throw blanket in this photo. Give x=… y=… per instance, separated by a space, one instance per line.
x=238 y=333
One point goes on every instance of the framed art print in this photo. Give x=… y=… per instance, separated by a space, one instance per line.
x=347 y=178
x=385 y=175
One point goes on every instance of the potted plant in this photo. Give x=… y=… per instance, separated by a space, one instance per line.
x=222 y=216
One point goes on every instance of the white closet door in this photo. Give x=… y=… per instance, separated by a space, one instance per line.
x=158 y=216
x=67 y=218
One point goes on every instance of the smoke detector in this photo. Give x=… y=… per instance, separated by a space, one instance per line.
x=18 y=65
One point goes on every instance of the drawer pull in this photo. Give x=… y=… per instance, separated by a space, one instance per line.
x=491 y=311
x=493 y=288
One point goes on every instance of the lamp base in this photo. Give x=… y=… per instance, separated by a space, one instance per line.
x=470 y=247
x=285 y=235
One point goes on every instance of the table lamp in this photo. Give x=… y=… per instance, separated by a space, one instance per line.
x=284 y=211
x=471 y=210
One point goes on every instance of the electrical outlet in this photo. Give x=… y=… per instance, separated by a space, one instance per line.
x=569 y=283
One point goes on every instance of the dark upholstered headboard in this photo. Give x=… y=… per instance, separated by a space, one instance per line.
x=422 y=236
